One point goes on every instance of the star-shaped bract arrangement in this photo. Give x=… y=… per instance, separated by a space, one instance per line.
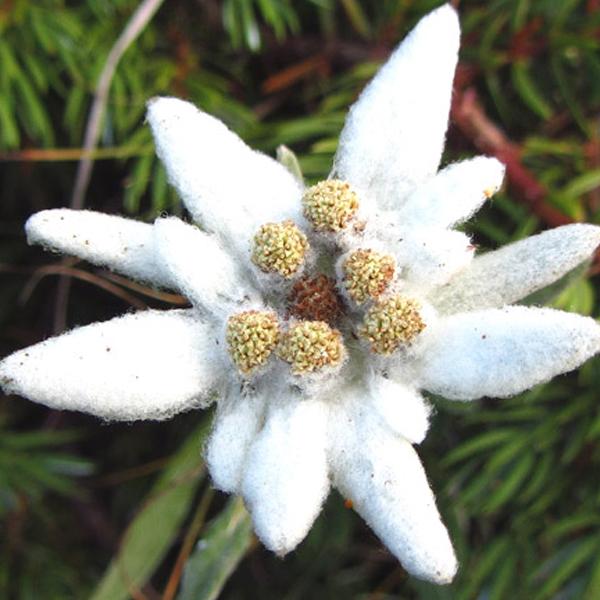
x=318 y=314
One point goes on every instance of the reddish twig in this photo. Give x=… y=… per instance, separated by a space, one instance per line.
x=304 y=69
x=469 y=116
x=166 y=297
x=135 y=591
x=69 y=154
x=60 y=269
x=191 y=536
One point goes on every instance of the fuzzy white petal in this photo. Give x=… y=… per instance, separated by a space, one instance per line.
x=394 y=134
x=286 y=477
x=201 y=268
x=381 y=474
x=454 y=194
x=226 y=186
x=146 y=365
x=120 y=244
x=401 y=408
x=509 y=274
x=501 y=352
x=431 y=257
x=239 y=418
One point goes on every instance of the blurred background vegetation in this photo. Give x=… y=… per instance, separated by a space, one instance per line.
x=114 y=511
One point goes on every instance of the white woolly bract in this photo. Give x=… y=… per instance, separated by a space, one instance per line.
x=238 y=419
x=509 y=274
x=227 y=187
x=122 y=245
x=430 y=257
x=199 y=266
x=400 y=407
x=286 y=478
x=505 y=351
x=453 y=195
x=394 y=134
x=381 y=474
x=146 y=365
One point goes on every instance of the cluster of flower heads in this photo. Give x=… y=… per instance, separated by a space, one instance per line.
x=314 y=344
x=318 y=315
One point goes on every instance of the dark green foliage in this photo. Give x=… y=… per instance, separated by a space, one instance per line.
x=517 y=480
x=30 y=466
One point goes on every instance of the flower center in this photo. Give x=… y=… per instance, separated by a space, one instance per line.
x=251 y=338
x=311 y=345
x=367 y=274
x=391 y=323
x=315 y=299
x=279 y=248
x=330 y=205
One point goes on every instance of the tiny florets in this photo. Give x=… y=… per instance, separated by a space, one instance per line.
x=330 y=205
x=315 y=299
x=311 y=345
x=391 y=323
x=279 y=248
x=251 y=338
x=367 y=274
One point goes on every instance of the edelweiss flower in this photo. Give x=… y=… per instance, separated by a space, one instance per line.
x=318 y=314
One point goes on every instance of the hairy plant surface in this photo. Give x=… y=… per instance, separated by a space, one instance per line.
x=126 y=510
